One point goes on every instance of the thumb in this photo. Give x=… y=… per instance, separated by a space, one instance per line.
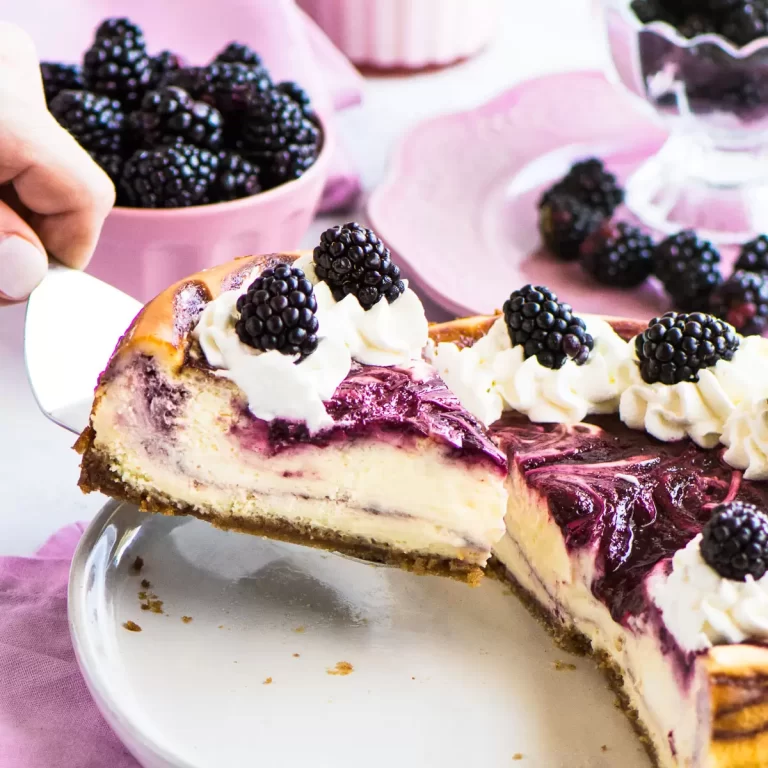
x=23 y=262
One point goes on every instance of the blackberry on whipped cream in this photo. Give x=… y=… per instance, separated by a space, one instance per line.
x=546 y=328
x=353 y=260
x=675 y=347
x=278 y=312
x=735 y=541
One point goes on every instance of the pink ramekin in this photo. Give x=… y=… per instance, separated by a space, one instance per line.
x=406 y=34
x=142 y=252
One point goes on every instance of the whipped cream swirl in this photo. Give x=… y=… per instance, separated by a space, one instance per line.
x=702 y=609
x=278 y=386
x=493 y=376
x=746 y=438
x=699 y=410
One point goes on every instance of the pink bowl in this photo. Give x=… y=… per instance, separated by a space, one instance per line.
x=143 y=251
x=406 y=34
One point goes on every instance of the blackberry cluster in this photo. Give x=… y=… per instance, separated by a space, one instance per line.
x=740 y=21
x=226 y=86
x=60 y=77
x=238 y=53
x=591 y=184
x=676 y=346
x=298 y=95
x=161 y=66
x=278 y=313
x=753 y=256
x=118 y=67
x=742 y=301
x=353 y=260
x=277 y=137
x=111 y=163
x=546 y=328
x=735 y=541
x=565 y=223
x=95 y=121
x=233 y=131
x=170 y=114
x=688 y=268
x=618 y=255
x=169 y=177
x=236 y=178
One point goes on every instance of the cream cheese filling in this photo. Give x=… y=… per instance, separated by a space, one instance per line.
x=562 y=585
x=412 y=497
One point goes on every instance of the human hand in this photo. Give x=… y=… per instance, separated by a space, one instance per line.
x=53 y=197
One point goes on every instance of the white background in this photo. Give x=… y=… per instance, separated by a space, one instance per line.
x=39 y=470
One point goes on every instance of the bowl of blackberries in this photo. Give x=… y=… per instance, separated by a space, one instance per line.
x=209 y=161
x=702 y=66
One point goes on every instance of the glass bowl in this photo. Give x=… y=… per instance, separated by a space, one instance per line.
x=712 y=173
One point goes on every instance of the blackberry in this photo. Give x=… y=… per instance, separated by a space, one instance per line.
x=161 y=66
x=676 y=346
x=746 y=22
x=742 y=301
x=236 y=178
x=565 y=223
x=592 y=185
x=688 y=268
x=278 y=312
x=649 y=10
x=60 y=77
x=95 y=121
x=735 y=541
x=171 y=113
x=120 y=28
x=696 y=24
x=111 y=164
x=753 y=256
x=353 y=260
x=295 y=92
x=169 y=177
x=546 y=328
x=276 y=136
x=618 y=255
x=118 y=68
x=238 y=53
x=224 y=86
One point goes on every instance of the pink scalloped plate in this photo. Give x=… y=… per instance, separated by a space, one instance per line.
x=459 y=205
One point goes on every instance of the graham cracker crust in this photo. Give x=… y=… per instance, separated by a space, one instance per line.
x=573 y=641
x=96 y=475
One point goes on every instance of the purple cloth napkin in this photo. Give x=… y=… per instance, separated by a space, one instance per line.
x=291 y=44
x=47 y=716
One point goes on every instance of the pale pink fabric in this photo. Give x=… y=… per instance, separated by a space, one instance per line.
x=47 y=716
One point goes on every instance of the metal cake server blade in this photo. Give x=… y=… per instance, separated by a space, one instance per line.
x=72 y=325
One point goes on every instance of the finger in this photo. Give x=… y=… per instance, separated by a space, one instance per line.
x=68 y=195
x=23 y=261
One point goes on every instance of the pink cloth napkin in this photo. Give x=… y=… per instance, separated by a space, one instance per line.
x=47 y=716
x=292 y=45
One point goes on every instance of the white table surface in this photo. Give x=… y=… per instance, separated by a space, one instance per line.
x=39 y=469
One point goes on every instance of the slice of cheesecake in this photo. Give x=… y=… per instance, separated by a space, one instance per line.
x=352 y=444
x=603 y=543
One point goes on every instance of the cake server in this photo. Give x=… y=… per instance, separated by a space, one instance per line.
x=72 y=324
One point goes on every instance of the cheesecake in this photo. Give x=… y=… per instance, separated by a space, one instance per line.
x=625 y=496
x=286 y=396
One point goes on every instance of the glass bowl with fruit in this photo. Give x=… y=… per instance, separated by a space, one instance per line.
x=702 y=67
x=209 y=162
